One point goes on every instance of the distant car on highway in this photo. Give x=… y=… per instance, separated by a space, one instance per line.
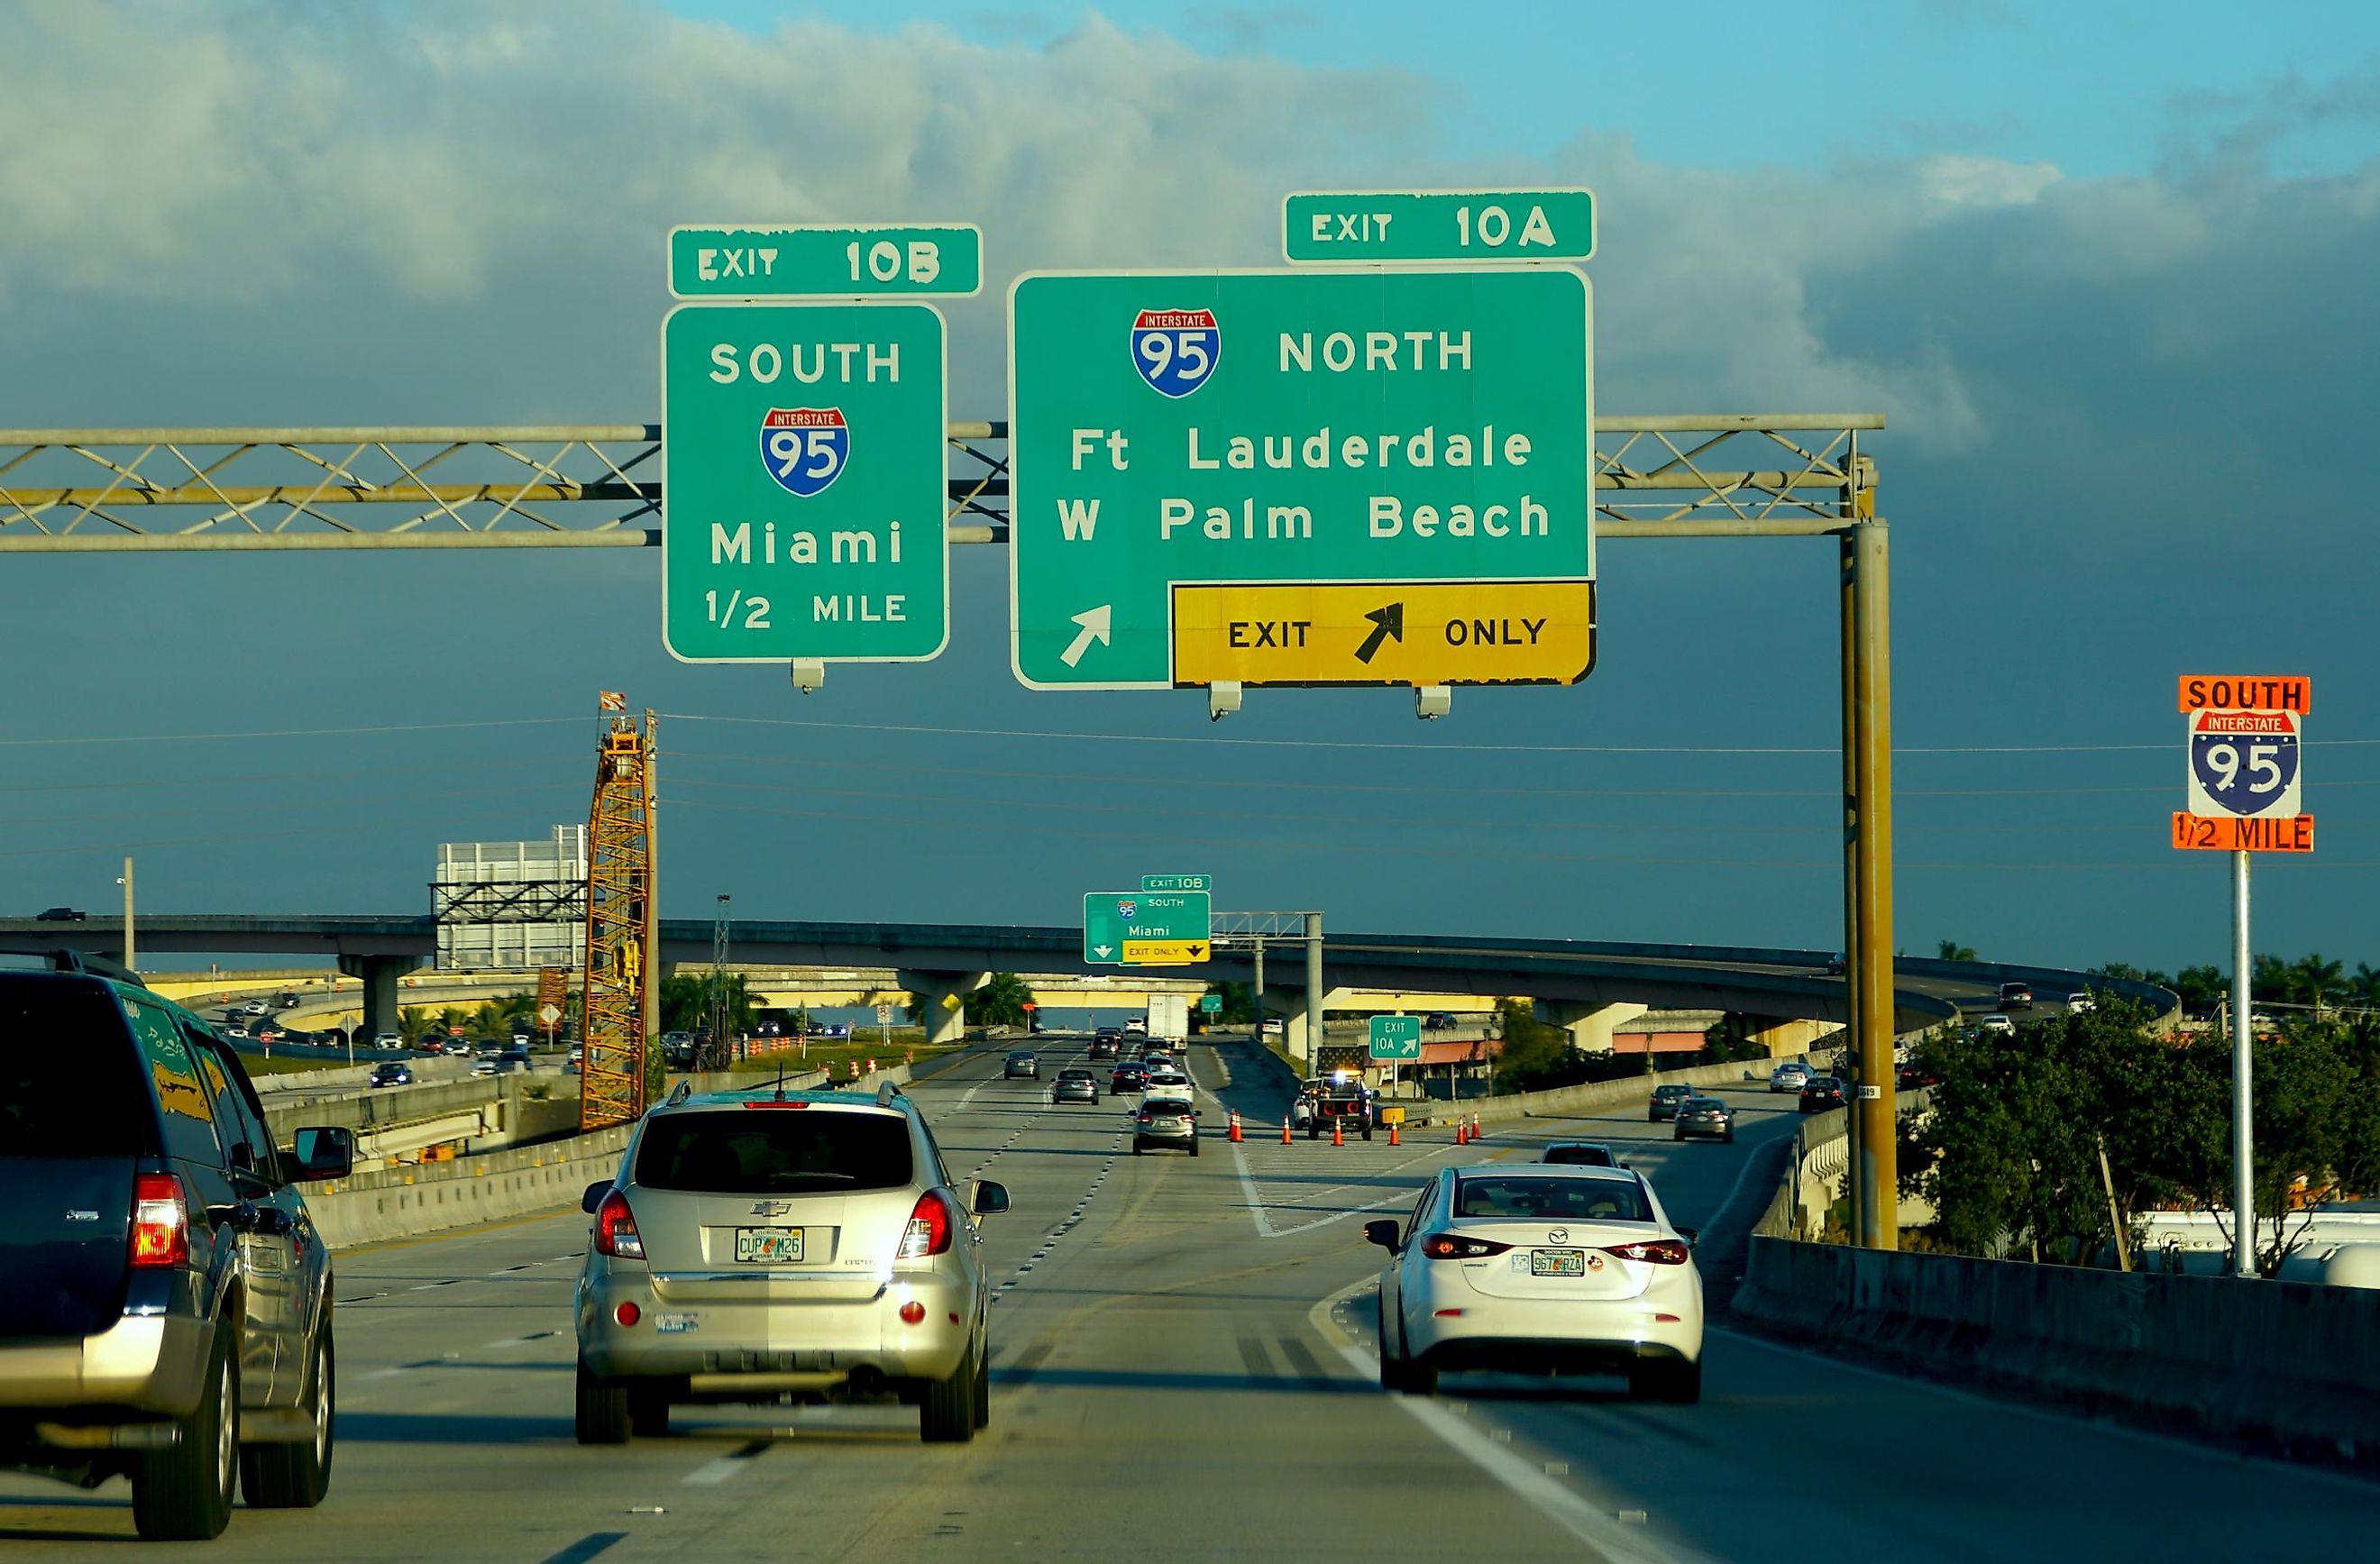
x=1913 y=1077
x=1128 y=1078
x=60 y=915
x=1789 y=1077
x=1023 y=1064
x=286 y=1000
x=2077 y=1004
x=1580 y=1154
x=1704 y=1117
x=1135 y=1027
x=1074 y=1086
x=1665 y=1102
x=2016 y=996
x=746 y=1231
x=255 y=1007
x=1438 y=1021
x=387 y=1041
x=391 y=1073
x=1837 y=964
x=1997 y=1022
x=1538 y=1269
x=1822 y=1093
x=1167 y=1078
x=486 y=1067
x=1167 y=1119
x=168 y=1312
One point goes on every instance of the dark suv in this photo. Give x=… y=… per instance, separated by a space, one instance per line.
x=168 y=1312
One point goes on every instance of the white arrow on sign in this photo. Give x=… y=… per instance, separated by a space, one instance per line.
x=1101 y=951
x=1094 y=624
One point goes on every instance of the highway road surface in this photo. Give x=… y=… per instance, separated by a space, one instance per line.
x=1183 y=1372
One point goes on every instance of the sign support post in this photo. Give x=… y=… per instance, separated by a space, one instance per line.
x=1868 y=697
x=2244 y=1039
x=1312 y=990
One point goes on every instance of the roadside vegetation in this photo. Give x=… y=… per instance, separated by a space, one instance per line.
x=2040 y=1144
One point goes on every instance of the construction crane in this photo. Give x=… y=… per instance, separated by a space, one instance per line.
x=623 y=924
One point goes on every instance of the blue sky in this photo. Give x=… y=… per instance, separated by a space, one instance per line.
x=2107 y=275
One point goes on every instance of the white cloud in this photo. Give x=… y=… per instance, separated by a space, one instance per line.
x=1956 y=179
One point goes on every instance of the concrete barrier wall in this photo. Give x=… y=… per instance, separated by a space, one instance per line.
x=2289 y=1363
x=1563 y=1102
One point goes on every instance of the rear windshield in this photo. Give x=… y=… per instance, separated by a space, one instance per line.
x=1165 y=1105
x=774 y=1151
x=1578 y=1200
x=67 y=1085
x=1580 y=1156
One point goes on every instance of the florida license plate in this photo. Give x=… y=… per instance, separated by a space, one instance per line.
x=1556 y=1262
x=769 y=1245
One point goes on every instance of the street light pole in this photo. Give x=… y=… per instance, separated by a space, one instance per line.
x=125 y=880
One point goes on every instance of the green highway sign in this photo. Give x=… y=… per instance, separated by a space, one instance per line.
x=803 y=485
x=1135 y=928
x=1301 y=477
x=1387 y=226
x=1396 y=1037
x=1210 y=1003
x=1176 y=882
x=733 y=260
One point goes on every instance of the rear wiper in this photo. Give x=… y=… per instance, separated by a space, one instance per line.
x=781 y=1178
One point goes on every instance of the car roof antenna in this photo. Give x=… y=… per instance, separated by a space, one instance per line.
x=780 y=1080
x=679 y=1092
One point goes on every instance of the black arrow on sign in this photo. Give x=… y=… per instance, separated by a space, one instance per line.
x=1198 y=951
x=1386 y=623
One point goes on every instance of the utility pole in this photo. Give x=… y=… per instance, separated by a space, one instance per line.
x=1867 y=642
x=1260 y=995
x=125 y=880
x=719 y=978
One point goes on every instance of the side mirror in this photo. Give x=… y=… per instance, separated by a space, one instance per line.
x=1382 y=1232
x=1691 y=1235
x=325 y=1151
x=991 y=1198
x=594 y=1196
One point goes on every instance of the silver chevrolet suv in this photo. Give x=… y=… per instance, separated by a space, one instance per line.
x=766 y=1246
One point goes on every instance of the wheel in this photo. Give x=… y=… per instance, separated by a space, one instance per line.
x=1393 y=1368
x=1679 y=1383
x=1136 y=1148
x=982 y=1392
x=1420 y=1378
x=183 y=1492
x=946 y=1415
x=1652 y=1118
x=1728 y=1139
x=1314 y=1129
x=602 y=1409
x=1367 y=1131
x=648 y=1411
x=296 y=1476
x=1194 y=1145
x=1676 y=1134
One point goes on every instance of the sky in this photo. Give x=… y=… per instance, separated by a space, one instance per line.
x=2105 y=269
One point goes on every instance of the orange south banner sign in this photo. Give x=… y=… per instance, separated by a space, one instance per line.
x=2225 y=833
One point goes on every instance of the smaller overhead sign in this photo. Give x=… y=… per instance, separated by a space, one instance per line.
x=1210 y=1003
x=1176 y=882
x=1396 y=1037
x=1386 y=227
x=1144 y=928
x=2243 y=782
x=804 y=260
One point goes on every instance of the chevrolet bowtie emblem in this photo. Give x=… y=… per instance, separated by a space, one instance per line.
x=771 y=1207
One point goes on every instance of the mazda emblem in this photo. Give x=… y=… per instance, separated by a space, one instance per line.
x=1559 y=1235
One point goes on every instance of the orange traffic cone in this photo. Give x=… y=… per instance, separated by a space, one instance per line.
x=1459 y=1129
x=1285 y=1132
x=1337 y=1132
x=1236 y=1126
x=1392 y=1135
x=1474 y=1128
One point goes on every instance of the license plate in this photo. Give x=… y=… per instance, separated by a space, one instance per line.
x=769 y=1246
x=1556 y=1262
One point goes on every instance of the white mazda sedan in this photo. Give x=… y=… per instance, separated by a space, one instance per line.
x=1541 y=1270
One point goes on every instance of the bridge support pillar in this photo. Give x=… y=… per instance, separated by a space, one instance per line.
x=1784 y=1036
x=380 y=975
x=943 y=997
x=1590 y=1026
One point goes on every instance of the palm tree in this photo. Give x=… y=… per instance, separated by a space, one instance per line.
x=2317 y=978
x=1950 y=949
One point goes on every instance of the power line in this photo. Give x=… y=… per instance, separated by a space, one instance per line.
x=295 y=732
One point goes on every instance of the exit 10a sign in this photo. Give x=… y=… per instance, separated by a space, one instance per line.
x=1396 y=1037
x=1377 y=227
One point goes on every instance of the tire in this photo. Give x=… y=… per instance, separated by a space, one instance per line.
x=1728 y=1139
x=296 y=1476
x=183 y=1493
x=648 y=1411
x=1420 y=1376
x=1194 y=1145
x=1392 y=1369
x=982 y=1392
x=946 y=1415
x=1677 y=1383
x=1367 y=1131
x=1135 y=1147
x=1314 y=1129
x=602 y=1409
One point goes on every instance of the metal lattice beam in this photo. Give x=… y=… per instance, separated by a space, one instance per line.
x=619 y=879
x=73 y=491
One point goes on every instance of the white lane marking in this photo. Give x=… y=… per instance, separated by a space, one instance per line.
x=710 y=1473
x=1534 y=1483
x=1264 y=1223
x=370 y=1375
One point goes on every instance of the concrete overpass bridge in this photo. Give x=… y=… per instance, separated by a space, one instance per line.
x=1580 y=984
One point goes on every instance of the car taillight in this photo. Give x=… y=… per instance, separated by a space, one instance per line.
x=615 y=1228
x=161 y=1220
x=929 y=1228
x=1145 y=1116
x=1652 y=1251
x=1454 y=1246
